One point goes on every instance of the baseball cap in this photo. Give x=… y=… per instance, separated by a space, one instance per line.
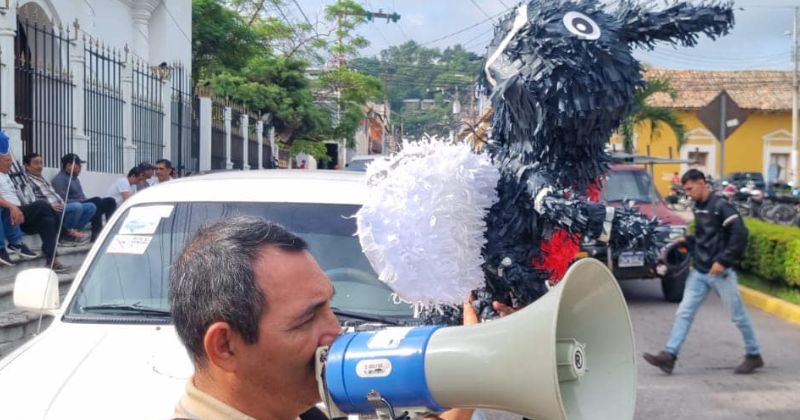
x=71 y=157
x=4 y=143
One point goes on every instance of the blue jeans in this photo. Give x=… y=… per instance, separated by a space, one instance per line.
x=697 y=287
x=77 y=215
x=8 y=230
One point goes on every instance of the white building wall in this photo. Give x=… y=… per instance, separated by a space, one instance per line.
x=170 y=39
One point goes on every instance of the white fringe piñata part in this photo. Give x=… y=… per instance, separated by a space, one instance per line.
x=422 y=224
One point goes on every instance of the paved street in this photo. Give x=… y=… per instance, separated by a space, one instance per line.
x=703 y=385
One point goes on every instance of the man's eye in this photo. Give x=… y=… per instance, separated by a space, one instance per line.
x=581 y=25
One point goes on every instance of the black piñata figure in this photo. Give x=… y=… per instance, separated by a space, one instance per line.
x=562 y=78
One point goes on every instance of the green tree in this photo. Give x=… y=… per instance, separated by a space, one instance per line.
x=644 y=113
x=221 y=39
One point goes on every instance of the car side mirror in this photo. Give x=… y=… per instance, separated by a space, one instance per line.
x=36 y=290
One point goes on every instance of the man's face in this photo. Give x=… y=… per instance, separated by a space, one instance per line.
x=297 y=320
x=696 y=190
x=73 y=169
x=162 y=172
x=5 y=163
x=133 y=180
x=35 y=167
x=147 y=174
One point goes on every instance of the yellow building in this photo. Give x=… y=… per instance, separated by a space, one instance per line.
x=762 y=143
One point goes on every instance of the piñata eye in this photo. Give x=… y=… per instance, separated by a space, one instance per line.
x=581 y=25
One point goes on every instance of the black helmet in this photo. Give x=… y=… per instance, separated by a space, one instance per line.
x=675 y=258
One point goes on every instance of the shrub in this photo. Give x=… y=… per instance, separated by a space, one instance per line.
x=773 y=252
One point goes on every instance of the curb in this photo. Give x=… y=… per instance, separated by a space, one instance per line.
x=780 y=308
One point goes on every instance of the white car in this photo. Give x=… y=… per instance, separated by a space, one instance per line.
x=111 y=351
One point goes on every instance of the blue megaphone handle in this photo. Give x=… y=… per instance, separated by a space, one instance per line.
x=390 y=361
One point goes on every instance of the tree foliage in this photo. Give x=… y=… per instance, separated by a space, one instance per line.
x=655 y=117
x=413 y=71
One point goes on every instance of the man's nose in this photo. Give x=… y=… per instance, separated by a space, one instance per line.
x=331 y=329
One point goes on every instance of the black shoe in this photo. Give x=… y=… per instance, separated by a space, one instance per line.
x=68 y=241
x=664 y=361
x=58 y=267
x=22 y=250
x=5 y=259
x=750 y=363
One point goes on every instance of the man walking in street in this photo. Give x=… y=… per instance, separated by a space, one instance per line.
x=719 y=240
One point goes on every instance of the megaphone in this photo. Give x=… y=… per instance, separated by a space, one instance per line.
x=569 y=355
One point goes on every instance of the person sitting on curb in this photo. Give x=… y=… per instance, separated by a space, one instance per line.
x=123 y=188
x=718 y=243
x=36 y=217
x=68 y=176
x=76 y=215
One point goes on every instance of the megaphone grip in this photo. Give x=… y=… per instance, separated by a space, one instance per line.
x=390 y=361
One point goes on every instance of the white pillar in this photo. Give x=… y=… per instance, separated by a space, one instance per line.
x=166 y=103
x=8 y=31
x=227 y=117
x=260 y=142
x=205 y=134
x=128 y=148
x=141 y=11
x=245 y=126
x=80 y=141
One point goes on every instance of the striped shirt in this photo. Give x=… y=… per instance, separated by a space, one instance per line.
x=43 y=190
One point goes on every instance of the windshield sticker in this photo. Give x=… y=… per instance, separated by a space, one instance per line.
x=388 y=338
x=129 y=244
x=144 y=220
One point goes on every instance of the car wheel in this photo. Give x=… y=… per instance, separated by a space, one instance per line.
x=672 y=285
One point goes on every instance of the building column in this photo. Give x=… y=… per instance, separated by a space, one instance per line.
x=245 y=126
x=128 y=148
x=260 y=140
x=205 y=134
x=141 y=11
x=8 y=32
x=80 y=141
x=227 y=119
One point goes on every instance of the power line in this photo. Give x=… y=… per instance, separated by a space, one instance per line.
x=481 y=9
x=463 y=29
x=302 y=12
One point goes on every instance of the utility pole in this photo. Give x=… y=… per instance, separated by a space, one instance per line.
x=793 y=157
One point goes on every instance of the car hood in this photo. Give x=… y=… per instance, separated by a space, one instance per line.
x=659 y=210
x=92 y=371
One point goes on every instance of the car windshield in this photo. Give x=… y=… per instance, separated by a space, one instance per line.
x=130 y=274
x=358 y=164
x=629 y=186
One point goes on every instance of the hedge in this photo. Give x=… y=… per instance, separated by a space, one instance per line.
x=773 y=252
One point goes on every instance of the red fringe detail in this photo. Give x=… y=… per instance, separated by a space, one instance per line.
x=558 y=252
x=594 y=190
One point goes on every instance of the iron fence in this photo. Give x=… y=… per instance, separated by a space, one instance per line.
x=148 y=114
x=218 y=156
x=237 y=141
x=185 y=151
x=252 y=138
x=43 y=89
x=103 y=107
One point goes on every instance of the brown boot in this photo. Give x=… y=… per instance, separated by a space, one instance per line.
x=664 y=361
x=750 y=363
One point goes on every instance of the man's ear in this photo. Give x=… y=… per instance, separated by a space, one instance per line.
x=221 y=344
x=679 y=23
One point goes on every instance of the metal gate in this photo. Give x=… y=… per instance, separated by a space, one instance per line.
x=237 y=141
x=43 y=90
x=252 y=145
x=103 y=107
x=148 y=114
x=218 y=157
x=185 y=147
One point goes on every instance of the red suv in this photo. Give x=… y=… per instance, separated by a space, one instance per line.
x=628 y=185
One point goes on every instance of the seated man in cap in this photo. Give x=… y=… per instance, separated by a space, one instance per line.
x=76 y=215
x=147 y=169
x=68 y=186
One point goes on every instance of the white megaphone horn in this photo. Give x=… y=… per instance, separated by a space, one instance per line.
x=569 y=355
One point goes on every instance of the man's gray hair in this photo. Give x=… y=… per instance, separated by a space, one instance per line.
x=213 y=279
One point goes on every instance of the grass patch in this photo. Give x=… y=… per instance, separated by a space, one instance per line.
x=783 y=292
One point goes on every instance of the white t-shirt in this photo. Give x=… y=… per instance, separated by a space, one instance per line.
x=8 y=191
x=118 y=187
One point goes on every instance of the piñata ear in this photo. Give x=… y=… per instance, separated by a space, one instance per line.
x=679 y=23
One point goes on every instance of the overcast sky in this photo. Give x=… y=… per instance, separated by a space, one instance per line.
x=760 y=39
